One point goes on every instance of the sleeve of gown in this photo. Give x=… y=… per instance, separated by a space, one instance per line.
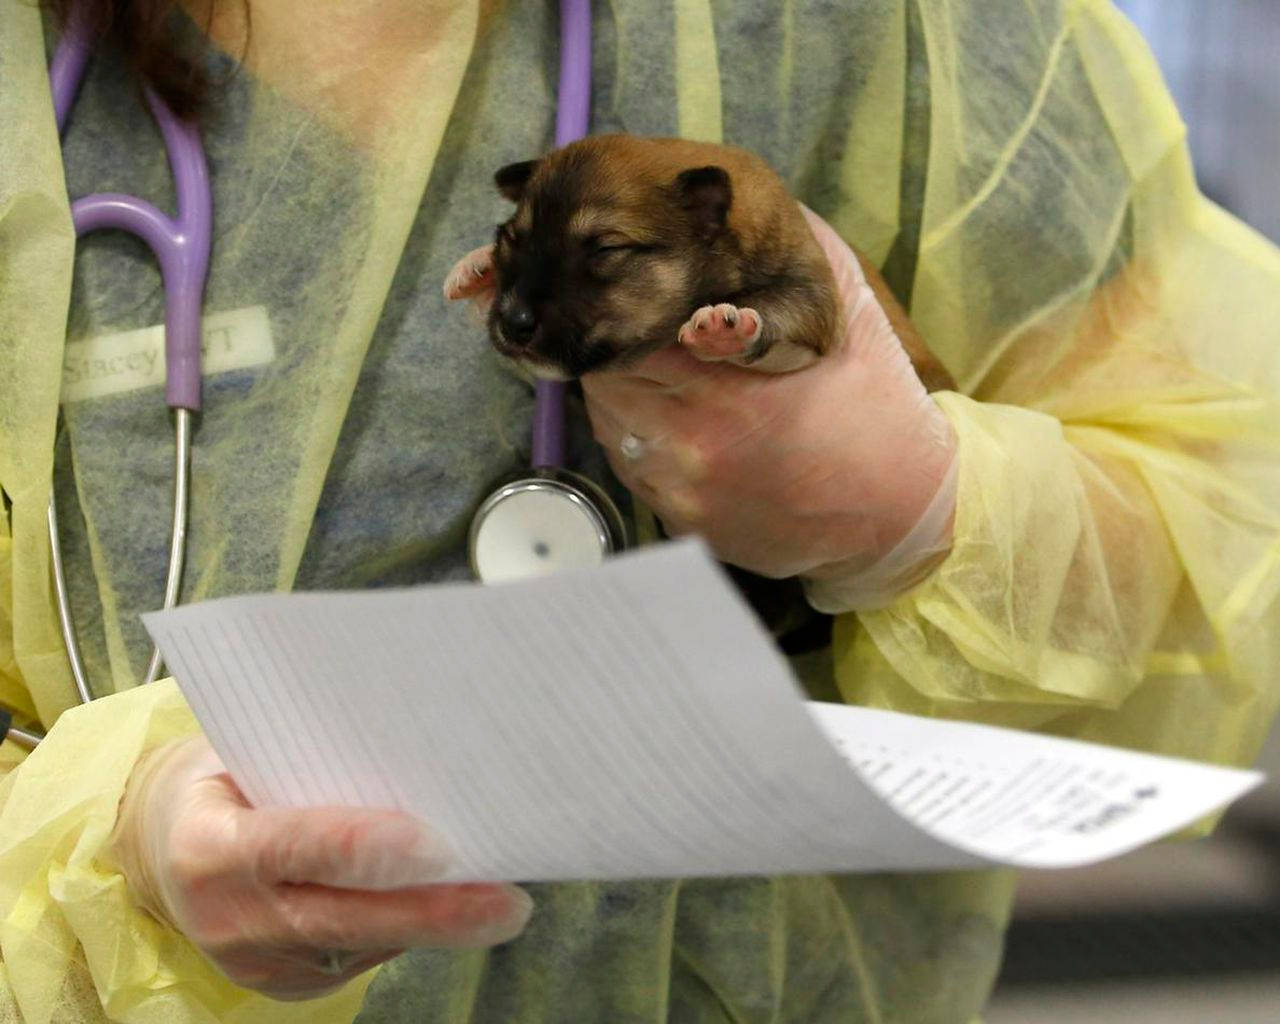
x=73 y=945
x=65 y=909
x=1116 y=568
x=1116 y=562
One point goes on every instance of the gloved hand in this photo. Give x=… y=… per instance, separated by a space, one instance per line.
x=842 y=473
x=292 y=903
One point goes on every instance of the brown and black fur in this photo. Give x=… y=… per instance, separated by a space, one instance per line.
x=617 y=239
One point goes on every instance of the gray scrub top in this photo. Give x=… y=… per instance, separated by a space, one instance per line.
x=433 y=420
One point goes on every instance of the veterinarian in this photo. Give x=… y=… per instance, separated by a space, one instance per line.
x=1083 y=538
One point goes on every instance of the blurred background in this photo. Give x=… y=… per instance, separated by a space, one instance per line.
x=1179 y=933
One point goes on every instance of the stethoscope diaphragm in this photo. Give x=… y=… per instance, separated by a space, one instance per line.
x=540 y=522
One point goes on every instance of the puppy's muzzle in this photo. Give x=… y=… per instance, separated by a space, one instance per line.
x=519 y=324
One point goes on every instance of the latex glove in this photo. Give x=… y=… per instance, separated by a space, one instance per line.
x=842 y=473
x=268 y=894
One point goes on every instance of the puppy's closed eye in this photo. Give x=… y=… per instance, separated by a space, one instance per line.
x=607 y=255
x=610 y=243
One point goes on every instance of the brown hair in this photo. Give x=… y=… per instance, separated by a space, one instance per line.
x=142 y=33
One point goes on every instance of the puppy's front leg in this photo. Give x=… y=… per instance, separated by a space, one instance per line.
x=774 y=331
x=722 y=331
x=785 y=328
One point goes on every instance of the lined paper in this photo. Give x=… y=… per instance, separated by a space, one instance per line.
x=634 y=721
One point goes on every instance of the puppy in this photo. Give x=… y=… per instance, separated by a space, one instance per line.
x=621 y=245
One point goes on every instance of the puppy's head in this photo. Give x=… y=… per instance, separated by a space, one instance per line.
x=605 y=254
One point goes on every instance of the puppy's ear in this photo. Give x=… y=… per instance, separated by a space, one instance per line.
x=512 y=179
x=705 y=192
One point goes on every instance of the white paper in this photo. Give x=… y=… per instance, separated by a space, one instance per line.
x=1022 y=799
x=634 y=721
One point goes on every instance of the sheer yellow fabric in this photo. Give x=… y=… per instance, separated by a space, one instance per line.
x=63 y=907
x=1116 y=561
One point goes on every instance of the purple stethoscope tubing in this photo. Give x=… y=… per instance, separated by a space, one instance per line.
x=578 y=500
x=181 y=246
x=573 y=115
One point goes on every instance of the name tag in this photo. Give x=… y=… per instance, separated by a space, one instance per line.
x=114 y=363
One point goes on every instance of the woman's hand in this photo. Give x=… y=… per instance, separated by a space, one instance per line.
x=841 y=472
x=292 y=903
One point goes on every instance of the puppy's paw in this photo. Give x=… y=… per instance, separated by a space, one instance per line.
x=472 y=275
x=722 y=332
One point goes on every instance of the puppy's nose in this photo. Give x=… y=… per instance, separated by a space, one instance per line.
x=518 y=321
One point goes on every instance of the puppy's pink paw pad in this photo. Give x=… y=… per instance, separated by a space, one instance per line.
x=720 y=332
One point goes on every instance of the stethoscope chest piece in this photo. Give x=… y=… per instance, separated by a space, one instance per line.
x=541 y=522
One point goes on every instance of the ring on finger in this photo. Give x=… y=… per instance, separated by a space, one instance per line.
x=632 y=447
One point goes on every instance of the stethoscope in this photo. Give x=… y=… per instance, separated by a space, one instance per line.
x=539 y=521
x=549 y=518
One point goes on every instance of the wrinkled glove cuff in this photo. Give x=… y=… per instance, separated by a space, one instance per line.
x=128 y=839
x=835 y=590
